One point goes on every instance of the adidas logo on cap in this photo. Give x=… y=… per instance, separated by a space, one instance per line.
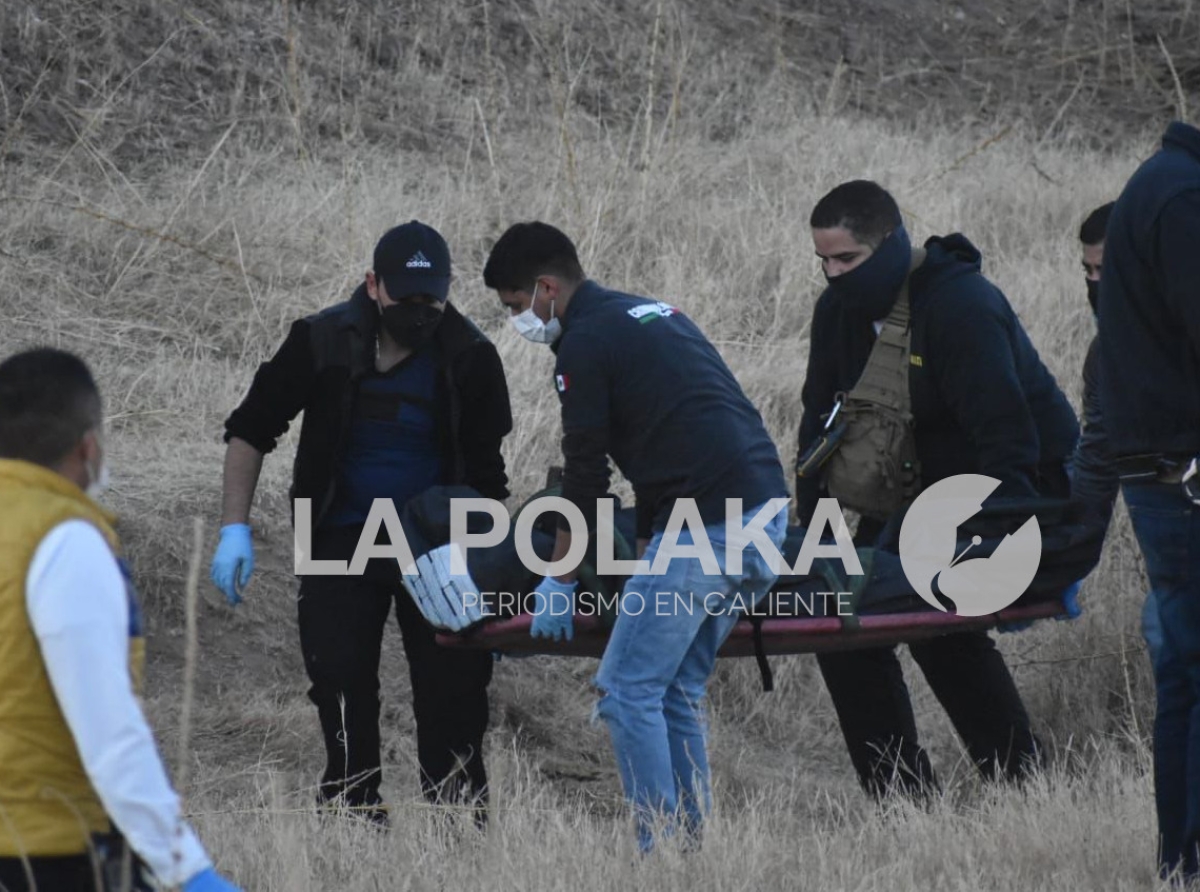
x=418 y=261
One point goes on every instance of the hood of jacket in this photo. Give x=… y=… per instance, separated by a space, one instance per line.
x=1182 y=137
x=947 y=257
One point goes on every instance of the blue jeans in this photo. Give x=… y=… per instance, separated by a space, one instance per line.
x=655 y=670
x=1167 y=526
x=1152 y=626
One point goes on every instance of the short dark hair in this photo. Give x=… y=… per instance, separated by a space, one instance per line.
x=863 y=208
x=48 y=401
x=1092 y=230
x=529 y=250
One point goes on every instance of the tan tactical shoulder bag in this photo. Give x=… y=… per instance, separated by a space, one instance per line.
x=867 y=456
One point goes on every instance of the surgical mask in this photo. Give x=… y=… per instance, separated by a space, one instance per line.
x=97 y=481
x=411 y=325
x=870 y=289
x=1093 y=294
x=530 y=326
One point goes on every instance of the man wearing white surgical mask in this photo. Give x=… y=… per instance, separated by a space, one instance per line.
x=639 y=382
x=531 y=326
x=98 y=479
x=81 y=771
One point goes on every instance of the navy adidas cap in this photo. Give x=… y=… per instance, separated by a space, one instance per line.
x=413 y=259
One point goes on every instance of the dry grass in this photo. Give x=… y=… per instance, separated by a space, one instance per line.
x=175 y=281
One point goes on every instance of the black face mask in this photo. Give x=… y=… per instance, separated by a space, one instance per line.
x=411 y=325
x=1093 y=294
x=869 y=290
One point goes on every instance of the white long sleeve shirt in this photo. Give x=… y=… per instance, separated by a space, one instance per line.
x=79 y=609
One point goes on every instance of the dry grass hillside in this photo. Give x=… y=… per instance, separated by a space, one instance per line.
x=180 y=181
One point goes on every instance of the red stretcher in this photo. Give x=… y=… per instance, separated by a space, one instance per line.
x=779 y=635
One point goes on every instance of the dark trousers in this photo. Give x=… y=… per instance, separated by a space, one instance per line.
x=69 y=873
x=1167 y=526
x=969 y=678
x=971 y=681
x=341 y=632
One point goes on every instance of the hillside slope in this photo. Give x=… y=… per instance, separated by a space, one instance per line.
x=145 y=82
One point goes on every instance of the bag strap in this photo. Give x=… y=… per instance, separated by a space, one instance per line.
x=884 y=379
x=760 y=653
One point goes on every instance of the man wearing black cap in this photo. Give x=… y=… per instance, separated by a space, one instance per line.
x=400 y=392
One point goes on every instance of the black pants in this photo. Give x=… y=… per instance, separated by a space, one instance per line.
x=971 y=681
x=69 y=873
x=341 y=632
x=969 y=678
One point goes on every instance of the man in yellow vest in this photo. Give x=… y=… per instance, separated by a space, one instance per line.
x=79 y=771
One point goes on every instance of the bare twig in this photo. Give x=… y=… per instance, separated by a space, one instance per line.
x=31 y=96
x=1062 y=110
x=293 y=79
x=183 y=199
x=1079 y=659
x=487 y=143
x=141 y=230
x=965 y=157
x=103 y=110
x=1041 y=173
x=835 y=79
x=1180 y=99
x=645 y=160
x=190 y=655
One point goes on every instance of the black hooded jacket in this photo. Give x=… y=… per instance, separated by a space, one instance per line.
x=982 y=400
x=317 y=371
x=1150 y=305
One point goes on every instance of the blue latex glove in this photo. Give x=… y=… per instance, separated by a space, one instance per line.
x=1070 y=601
x=208 y=880
x=233 y=561
x=554 y=610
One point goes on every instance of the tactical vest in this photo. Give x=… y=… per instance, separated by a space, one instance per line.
x=47 y=803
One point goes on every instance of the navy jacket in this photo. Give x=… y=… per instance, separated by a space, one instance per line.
x=1150 y=304
x=982 y=401
x=317 y=371
x=638 y=381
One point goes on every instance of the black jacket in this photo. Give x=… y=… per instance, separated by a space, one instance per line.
x=1149 y=304
x=639 y=381
x=982 y=401
x=317 y=371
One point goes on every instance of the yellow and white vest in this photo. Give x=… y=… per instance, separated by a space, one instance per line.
x=47 y=803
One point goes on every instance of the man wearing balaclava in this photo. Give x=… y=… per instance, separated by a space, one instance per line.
x=982 y=403
x=1094 y=473
x=400 y=392
x=1093 y=478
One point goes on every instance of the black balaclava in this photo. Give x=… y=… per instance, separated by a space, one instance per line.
x=870 y=289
